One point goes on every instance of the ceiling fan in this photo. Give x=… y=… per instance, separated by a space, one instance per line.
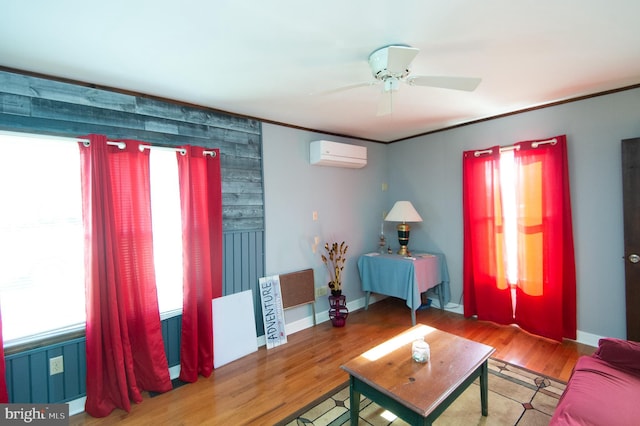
x=390 y=66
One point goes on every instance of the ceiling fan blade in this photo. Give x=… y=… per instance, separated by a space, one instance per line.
x=385 y=104
x=344 y=88
x=400 y=57
x=457 y=83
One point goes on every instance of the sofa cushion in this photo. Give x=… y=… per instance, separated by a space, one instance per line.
x=599 y=394
x=622 y=353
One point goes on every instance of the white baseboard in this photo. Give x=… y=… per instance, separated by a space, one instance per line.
x=588 y=338
x=581 y=336
x=174 y=372
x=77 y=406
x=299 y=325
x=451 y=307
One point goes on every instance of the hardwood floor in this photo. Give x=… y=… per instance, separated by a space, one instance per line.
x=268 y=385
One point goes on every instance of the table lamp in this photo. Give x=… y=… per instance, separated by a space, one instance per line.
x=403 y=211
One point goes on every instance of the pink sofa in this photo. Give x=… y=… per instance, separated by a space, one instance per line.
x=604 y=389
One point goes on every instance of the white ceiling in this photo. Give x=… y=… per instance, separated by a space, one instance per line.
x=275 y=60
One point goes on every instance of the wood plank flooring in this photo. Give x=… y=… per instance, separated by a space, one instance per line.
x=268 y=385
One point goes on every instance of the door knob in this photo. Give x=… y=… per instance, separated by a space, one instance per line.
x=634 y=258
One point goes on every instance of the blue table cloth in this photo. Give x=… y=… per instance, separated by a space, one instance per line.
x=445 y=288
x=396 y=276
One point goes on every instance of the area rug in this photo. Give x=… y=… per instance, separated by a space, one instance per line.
x=516 y=397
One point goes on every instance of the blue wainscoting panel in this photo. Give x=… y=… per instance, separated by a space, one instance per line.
x=18 y=379
x=55 y=383
x=38 y=370
x=171 y=328
x=27 y=372
x=243 y=266
x=29 y=381
x=75 y=368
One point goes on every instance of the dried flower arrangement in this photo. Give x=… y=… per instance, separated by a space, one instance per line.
x=335 y=265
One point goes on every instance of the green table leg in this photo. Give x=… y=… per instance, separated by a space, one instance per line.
x=354 y=401
x=484 y=388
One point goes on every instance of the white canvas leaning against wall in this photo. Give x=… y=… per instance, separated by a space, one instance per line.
x=234 y=327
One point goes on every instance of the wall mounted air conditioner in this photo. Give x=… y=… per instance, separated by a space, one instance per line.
x=327 y=153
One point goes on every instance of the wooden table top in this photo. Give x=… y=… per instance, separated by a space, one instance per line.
x=390 y=369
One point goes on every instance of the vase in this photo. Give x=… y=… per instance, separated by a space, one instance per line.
x=338 y=311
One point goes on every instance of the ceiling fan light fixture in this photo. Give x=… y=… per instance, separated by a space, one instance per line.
x=392 y=61
x=390 y=66
x=391 y=84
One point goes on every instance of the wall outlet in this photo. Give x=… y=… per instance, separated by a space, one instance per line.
x=56 y=365
x=321 y=291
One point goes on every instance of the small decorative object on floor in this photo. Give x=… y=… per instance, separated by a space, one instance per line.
x=420 y=351
x=338 y=311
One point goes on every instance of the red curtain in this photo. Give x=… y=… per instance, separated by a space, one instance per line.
x=486 y=293
x=546 y=288
x=4 y=396
x=545 y=292
x=201 y=204
x=125 y=350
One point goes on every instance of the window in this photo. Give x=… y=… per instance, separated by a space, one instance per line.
x=42 y=290
x=167 y=229
x=508 y=192
x=41 y=237
x=519 y=265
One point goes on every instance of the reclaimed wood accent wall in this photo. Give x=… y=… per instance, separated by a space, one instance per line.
x=46 y=106
x=37 y=105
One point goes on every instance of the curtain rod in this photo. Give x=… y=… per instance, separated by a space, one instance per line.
x=86 y=142
x=123 y=145
x=512 y=147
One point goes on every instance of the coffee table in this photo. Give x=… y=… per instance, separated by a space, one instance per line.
x=418 y=393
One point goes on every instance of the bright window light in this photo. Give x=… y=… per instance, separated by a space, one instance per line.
x=42 y=289
x=391 y=345
x=41 y=236
x=167 y=229
x=388 y=416
x=508 y=190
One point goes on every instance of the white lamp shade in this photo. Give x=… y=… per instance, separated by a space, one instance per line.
x=403 y=211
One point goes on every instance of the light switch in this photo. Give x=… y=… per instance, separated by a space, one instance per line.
x=56 y=365
x=315 y=215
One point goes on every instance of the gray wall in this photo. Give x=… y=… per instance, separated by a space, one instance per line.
x=428 y=171
x=349 y=202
